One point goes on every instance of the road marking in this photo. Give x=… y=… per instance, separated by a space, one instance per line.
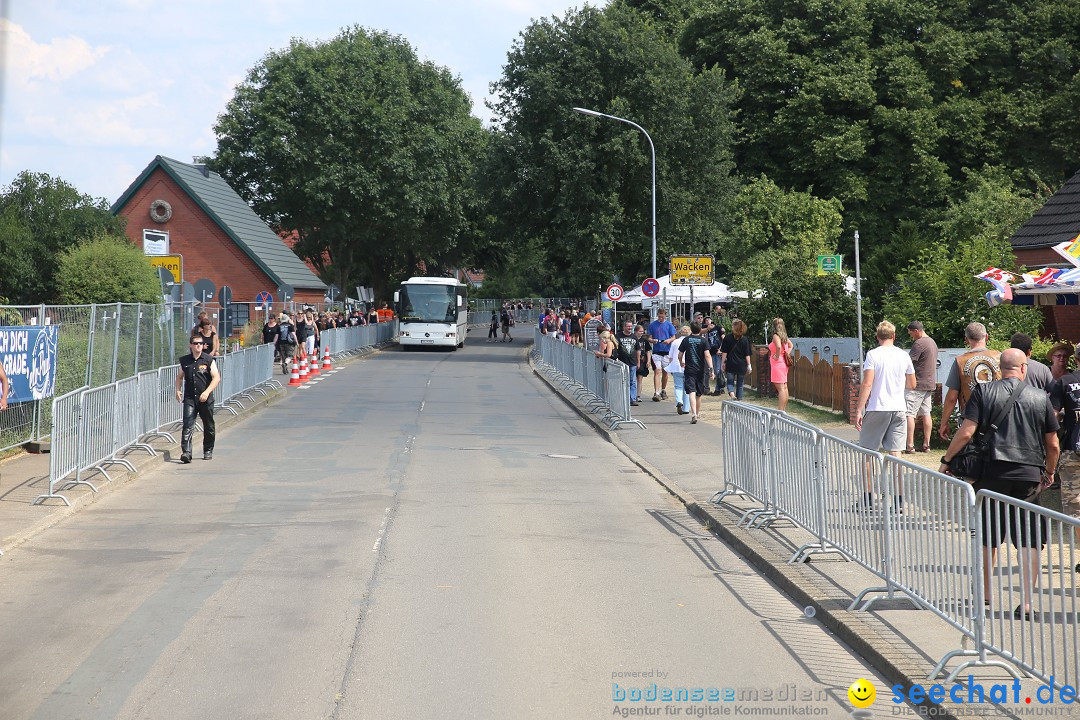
x=382 y=531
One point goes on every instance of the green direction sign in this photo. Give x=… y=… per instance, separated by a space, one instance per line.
x=828 y=264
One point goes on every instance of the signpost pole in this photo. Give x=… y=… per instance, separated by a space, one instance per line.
x=858 y=297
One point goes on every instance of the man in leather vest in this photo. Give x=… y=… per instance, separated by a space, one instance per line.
x=1022 y=456
x=195 y=383
x=978 y=365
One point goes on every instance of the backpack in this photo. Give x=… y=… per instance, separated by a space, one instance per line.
x=284 y=331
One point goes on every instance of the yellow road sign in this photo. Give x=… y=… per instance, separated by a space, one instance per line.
x=691 y=270
x=172 y=263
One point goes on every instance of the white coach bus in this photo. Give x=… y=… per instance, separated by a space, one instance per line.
x=432 y=311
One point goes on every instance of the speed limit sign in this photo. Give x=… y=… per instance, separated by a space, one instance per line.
x=615 y=292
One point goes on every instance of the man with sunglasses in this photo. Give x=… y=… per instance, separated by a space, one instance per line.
x=195 y=383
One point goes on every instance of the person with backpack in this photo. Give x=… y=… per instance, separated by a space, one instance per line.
x=493 y=328
x=504 y=320
x=285 y=342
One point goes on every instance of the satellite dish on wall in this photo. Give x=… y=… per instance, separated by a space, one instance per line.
x=204 y=290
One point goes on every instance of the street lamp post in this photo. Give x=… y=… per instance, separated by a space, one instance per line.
x=653 y=150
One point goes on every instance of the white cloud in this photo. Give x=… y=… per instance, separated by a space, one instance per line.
x=58 y=60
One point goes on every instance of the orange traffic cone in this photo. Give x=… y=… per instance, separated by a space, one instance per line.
x=326 y=359
x=303 y=367
x=313 y=366
x=294 y=376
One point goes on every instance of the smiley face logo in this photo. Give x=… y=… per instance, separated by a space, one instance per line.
x=862 y=693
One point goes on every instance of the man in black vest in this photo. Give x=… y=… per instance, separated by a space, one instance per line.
x=1020 y=464
x=195 y=383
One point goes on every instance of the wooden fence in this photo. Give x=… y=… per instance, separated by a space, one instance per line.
x=815 y=380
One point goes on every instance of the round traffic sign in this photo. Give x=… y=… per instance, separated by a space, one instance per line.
x=614 y=292
x=225 y=295
x=264 y=299
x=651 y=287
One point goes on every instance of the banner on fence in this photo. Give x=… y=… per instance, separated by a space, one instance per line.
x=29 y=358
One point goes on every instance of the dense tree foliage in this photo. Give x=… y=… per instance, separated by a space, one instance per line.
x=940 y=289
x=40 y=217
x=883 y=104
x=779 y=236
x=364 y=150
x=106 y=269
x=573 y=192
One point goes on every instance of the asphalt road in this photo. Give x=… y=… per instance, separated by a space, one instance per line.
x=420 y=535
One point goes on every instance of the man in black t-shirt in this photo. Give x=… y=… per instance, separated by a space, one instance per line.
x=715 y=335
x=694 y=356
x=1065 y=397
x=627 y=350
x=285 y=342
x=195 y=382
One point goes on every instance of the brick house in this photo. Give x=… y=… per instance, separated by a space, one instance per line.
x=185 y=209
x=1033 y=244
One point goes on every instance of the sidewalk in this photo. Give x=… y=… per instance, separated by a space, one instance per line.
x=902 y=643
x=26 y=476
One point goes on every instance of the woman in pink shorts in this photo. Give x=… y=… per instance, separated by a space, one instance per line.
x=779 y=356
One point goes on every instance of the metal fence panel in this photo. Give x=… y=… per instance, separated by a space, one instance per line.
x=1046 y=643
x=64 y=454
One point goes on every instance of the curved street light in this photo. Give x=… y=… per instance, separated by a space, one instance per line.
x=652 y=148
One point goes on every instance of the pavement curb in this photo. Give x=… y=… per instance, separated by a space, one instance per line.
x=147 y=465
x=889 y=654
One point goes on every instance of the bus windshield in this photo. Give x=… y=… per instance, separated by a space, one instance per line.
x=428 y=303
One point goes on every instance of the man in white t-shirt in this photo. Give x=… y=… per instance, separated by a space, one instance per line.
x=881 y=414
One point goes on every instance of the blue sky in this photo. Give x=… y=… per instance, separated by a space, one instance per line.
x=93 y=91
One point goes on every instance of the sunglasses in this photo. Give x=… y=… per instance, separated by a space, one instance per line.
x=196 y=342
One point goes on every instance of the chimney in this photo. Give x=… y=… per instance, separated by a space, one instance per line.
x=200 y=163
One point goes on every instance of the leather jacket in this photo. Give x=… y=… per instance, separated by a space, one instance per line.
x=1019 y=437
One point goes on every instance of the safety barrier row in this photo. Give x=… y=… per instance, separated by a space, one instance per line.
x=923 y=535
x=351 y=340
x=92 y=427
x=602 y=386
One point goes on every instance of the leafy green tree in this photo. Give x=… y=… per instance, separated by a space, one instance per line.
x=777 y=237
x=578 y=188
x=106 y=269
x=40 y=217
x=364 y=150
x=885 y=104
x=939 y=288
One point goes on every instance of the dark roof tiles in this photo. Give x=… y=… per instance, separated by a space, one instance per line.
x=1055 y=222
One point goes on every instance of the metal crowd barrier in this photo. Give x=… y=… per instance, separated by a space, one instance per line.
x=351 y=340
x=601 y=386
x=921 y=534
x=92 y=427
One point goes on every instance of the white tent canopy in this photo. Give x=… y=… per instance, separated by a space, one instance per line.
x=717 y=292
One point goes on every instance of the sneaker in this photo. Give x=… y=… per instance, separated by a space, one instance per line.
x=656 y=397
x=634 y=403
x=663 y=394
x=693 y=420
x=208 y=455
x=1078 y=567
x=678 y=409
x=185 y=458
